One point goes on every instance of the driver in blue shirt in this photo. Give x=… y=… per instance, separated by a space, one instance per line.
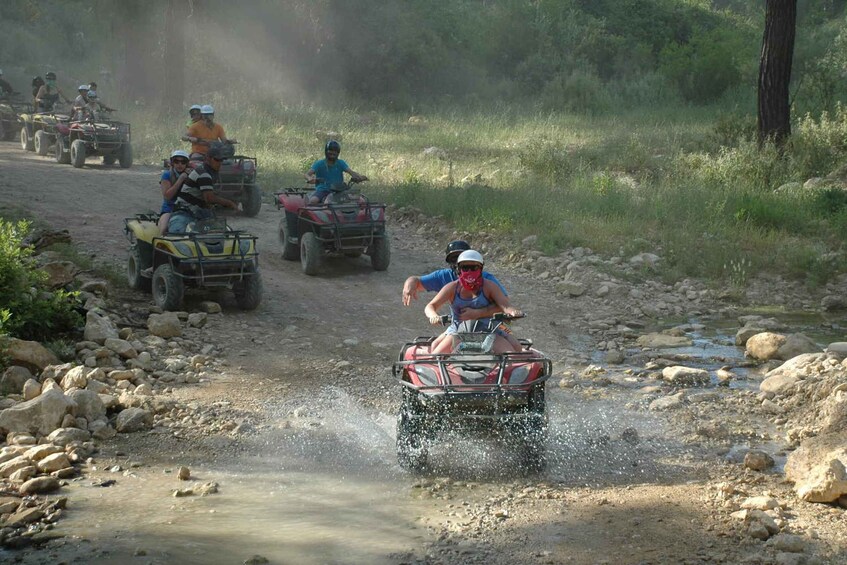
x=329 y=172
x=436 y=280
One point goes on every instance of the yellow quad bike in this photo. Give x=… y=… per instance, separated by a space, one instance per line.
x=209 y=255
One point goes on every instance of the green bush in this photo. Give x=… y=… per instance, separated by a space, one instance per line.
x=27 y=309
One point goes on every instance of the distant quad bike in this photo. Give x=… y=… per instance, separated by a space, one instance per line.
x=39 y=130
x=346 y=223
x=237 y=180
x=472 y=389
x=210 y=255
x=10 y=110
x=95 y=136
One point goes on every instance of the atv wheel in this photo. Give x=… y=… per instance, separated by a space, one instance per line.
x=26 y=142
x=41 y=143
x=168 y=288
x=411 y=447
x=63 y=156
x=109 y=159
x=125 y=156
x=533 y=432
x=78 y=153
x=134 y=266
x=252 y=200
x=380 y=252
x=290 y=251
x=310 y=253
x=248 y=291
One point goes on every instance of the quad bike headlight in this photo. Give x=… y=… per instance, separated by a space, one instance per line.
x=427 y=375
x=183 y=248
x=519 y=375
x=244 y=246
x=376 y=213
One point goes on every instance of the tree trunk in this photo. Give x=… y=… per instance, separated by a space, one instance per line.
x=174 y=63
x=775 y=70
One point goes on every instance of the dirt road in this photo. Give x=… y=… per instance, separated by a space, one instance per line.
x=314 y=477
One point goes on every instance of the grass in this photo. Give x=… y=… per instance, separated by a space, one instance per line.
x=643 y=181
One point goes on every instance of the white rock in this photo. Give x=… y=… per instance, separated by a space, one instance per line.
x=65 y=436
x=42 y=414
x=685 y=376
x=75 y=378
x=817 y=468
x=99 y=327
x=764 y=346
x=31 y=389
x=54 y=462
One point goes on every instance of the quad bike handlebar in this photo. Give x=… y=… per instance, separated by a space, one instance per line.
x=447 y=319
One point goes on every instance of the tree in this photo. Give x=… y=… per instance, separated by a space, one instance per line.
x=174 y=63
x=775 y=70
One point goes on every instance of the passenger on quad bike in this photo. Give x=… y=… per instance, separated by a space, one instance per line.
x=48 y=94
x=80 y=102
x=92 y=86
x=195 y=198
x=471 y=291
x=204 y=132
x=194 y=116
x=436 y=280
x=329 y=172
x=37 y=83
x=171 y=182
x=5 y=88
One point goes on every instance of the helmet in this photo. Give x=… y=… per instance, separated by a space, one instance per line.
x=92 y=94
x=194 y=107
x=83 y=87
x=470 y=256
x=332 y=145
x=207 y=109
x=454 y=248
x=180 y=153
x=50 y=76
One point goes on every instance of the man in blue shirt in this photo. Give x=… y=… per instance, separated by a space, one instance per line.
x=436 y=280
x=329 y=172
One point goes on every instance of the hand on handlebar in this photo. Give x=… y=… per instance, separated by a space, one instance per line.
x=437 y=320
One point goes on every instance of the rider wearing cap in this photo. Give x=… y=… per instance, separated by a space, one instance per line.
x=171 y=182
x=196 y=197
x=328 y=172
x=5 y=88
x=193 y=115
x=48 y=94
x=436 y=280
x=204 y=132
x=471 y=291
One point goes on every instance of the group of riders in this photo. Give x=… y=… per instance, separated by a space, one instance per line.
x=46 y=93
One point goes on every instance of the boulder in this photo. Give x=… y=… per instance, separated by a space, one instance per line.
x=29 y=354
x=54 y=462
x=42 y=414
x=795 y=365
x=31 y=389
x=685 y=376
x=210 y=307
x=121 y=347
x=834 y=302
x=65 y=436
x=75 y=378
x=198 y=319
x=133 y=420
x=817 y=468
x=796 y=344
x=88 y=404
x=764 y=346
x=99 y=328
x=837 y=349
x=164 y=325
x=745 y=333
x=663 y=341
x=56 y=372
x=833 y=412
x=60 y=273
x=13 y=379
x=779 y=384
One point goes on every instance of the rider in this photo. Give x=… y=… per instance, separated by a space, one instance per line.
x=171 y=182
x=49 y=94
x=436 y=280
x=325 y=173
x=100 y=104
x=196 y=196
x=5 y=88
x=37 y=83
x=81 y=102
x=194 y=115
x=204 y=132
x=472 y=290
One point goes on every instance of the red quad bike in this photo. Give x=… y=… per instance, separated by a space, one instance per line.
x=91 y=136
x=474 y=389
x=345 y=223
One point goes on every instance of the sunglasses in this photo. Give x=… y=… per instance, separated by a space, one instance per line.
x=180 y=161
x=470 y=268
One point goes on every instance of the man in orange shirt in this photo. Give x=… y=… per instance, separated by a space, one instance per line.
x=204 y=132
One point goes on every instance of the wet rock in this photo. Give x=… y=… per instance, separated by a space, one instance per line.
x=668 y=402
x=198 y=319
x=54 y=462
x=787 y=542
x=42 y=414
x=210 y=307
x=121 y=347
x=29 y=354
x=817 y=468
x=679 y=375
x=764 y=346
x=98 y=327
x=663 y=341
x=164 y=325
x=758 y=460
x=796 y=344
x=133 y=420
x=66 y=436
x=31 y=389
x=13 y=379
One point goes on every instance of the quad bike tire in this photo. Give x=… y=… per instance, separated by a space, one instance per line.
x=248 y=291
x=41 y=143
x=290 y=251
x=134 y=266
x=109 y=159
x=168 y=288
x=63 y=155
x=380 y=252
x=26 y=143
x=411 y=445
x=251 y=202
x=310 y=254
x=534 y=444
x=78 y=153
x=125 y=156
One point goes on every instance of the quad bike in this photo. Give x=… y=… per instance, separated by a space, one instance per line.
x=472 y=389
x=40 y=130
x=346 y=223
x=89 y=136
x=209 y=255
x=10 y=122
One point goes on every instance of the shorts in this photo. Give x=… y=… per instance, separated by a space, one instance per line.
x=178 y=223
x=321 y=196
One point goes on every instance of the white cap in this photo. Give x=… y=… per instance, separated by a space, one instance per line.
x=207 y=109
x=195 y=107
x=92 y=94
x=83 y=87
x=470 y=256
x=180 y=153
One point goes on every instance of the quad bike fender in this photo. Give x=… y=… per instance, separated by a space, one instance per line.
x=63 y=128
x=292 y=203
